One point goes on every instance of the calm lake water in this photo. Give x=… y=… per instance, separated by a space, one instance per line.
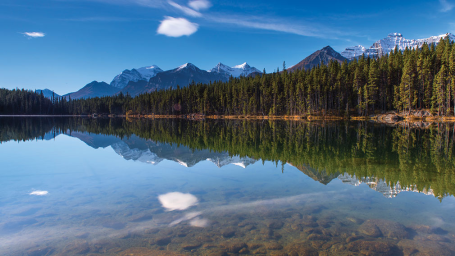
x=73 y=186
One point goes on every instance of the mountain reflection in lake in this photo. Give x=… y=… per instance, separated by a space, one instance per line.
x=176 y=187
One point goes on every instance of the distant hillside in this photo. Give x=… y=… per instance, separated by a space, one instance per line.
x=92 y=90
x=47 y=93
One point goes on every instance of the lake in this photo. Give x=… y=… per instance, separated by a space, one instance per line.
x=80 y=186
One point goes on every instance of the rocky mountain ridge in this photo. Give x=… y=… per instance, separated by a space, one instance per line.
x=325 y=55
x=388 y=44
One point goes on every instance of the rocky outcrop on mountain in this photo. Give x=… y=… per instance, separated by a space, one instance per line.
x=134 y=75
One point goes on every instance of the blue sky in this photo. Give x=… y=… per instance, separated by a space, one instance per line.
x=73 y=42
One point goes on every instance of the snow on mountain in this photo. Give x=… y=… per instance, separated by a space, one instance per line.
x=235 y=71
x=187 y=66
x=144 y=73
x=223 y=160
x=144 y=156
x=381 y=185
x=388 y=44
x=149 y=72
x=353 y=52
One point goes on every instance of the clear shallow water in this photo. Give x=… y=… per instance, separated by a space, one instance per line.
x=85 y=193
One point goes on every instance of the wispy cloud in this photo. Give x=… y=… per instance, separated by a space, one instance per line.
x=446 y=6
x=34 y=34
x=96 y=18
x=199 y=4
x=145 y=3
x=277 y=25
x=177 y=27
x=186 y=10
x=182 y=26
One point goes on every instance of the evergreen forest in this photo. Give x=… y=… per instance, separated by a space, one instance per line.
x=403 y=81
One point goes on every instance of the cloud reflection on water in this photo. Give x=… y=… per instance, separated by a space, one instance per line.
x=177 y=201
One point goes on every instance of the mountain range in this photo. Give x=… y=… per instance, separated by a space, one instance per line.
x=181 y=76
x=152 y=78
x=147 y=151
x=388 y=44
x=135 y=148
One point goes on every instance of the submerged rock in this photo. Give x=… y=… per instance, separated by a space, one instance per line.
x=163 y=240
x=300 y=249
x=227 y=233
x=425 y=248
x=355 y=220
x=191 y=245
x=373 y=248
x=235 y=246
x=274 y=224
x=370 y=229
x=389 y=229
x=142 y=251
x=273 y=246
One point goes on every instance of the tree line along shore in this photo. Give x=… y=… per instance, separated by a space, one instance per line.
x=413 y=84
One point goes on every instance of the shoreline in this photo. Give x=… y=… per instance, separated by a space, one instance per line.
x=390 y=118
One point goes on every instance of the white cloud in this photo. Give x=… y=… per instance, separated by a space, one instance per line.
x=177 y=27
x=39 y=193
x=34 y=34
x=177 y=201
x=199 y=4
x=186 y=10
x=446 y=6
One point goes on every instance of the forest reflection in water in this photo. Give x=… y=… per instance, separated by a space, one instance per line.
x=404 y=158
x=256 y=211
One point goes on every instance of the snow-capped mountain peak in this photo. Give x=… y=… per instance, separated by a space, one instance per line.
x=243 y=66
x=395 y=35
x=186 y=66
x=144 y=73
x=149 y=72
x=235 y=71
x=353 y=52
